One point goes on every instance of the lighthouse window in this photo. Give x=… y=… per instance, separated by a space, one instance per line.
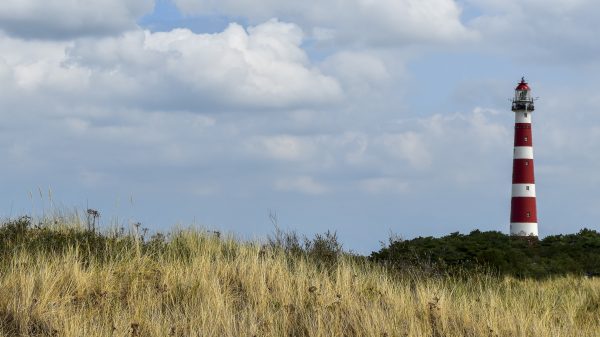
x=525 y=139
x=528 y=214
x=523 y=95
x=526 y=115
x=526 y=163
x=527 y=188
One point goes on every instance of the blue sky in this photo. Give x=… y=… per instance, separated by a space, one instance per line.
x=361 y=117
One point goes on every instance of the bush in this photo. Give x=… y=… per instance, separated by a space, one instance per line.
x=21 y=235
x=323 y=248
x=520 y=257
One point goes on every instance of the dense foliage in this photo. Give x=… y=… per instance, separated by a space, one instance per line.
x=577 y=254
x=54 y=238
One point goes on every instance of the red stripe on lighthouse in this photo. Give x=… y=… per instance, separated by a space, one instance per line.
x=523 y=209
x=523 y=172
x=523 y=136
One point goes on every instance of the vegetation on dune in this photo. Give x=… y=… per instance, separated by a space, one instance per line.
x=576 y=254
x=60 y=280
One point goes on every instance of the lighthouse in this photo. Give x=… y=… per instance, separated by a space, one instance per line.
x=523 y=212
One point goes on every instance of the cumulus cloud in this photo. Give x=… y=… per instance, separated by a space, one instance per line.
x=361 y=73
x=408 y=146
x=263 y=67
x=63 y=19
x=309 y=153
x=391 y=162
x=385 y=22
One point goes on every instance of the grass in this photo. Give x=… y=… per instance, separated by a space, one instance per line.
x=60 y=280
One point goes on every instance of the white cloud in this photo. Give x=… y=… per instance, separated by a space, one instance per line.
x=408 y=146
x=384 y=22
x=314 y=152
x=284 y=147
x=434 y=151
x=361 y=73
x=384 y=185
x=61 y=19
x=303 y=184
x=408 y=149
x=263 y=67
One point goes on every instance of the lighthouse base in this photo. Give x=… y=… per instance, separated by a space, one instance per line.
x=524 y=229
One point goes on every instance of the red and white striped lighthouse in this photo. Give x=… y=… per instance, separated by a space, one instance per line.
x=523 y=212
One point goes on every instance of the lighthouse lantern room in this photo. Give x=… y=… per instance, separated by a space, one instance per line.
x=523 y=213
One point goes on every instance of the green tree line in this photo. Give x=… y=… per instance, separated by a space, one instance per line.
x=577 y=254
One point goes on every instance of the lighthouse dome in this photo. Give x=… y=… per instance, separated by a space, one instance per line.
x=523 y=86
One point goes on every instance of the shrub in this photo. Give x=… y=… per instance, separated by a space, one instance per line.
x=520 y=257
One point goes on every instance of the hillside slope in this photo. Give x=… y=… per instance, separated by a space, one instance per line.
x=63 y=281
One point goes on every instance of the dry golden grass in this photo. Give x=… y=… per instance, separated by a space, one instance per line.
x=206 y=286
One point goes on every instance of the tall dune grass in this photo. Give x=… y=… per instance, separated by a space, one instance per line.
x=63 y=281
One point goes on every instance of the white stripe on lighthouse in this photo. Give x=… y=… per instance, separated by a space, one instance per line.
x=523 y=152
x=523 y=117
x=523 y=190
x=524 y=228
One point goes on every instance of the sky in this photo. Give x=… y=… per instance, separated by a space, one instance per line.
x=368 y=118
